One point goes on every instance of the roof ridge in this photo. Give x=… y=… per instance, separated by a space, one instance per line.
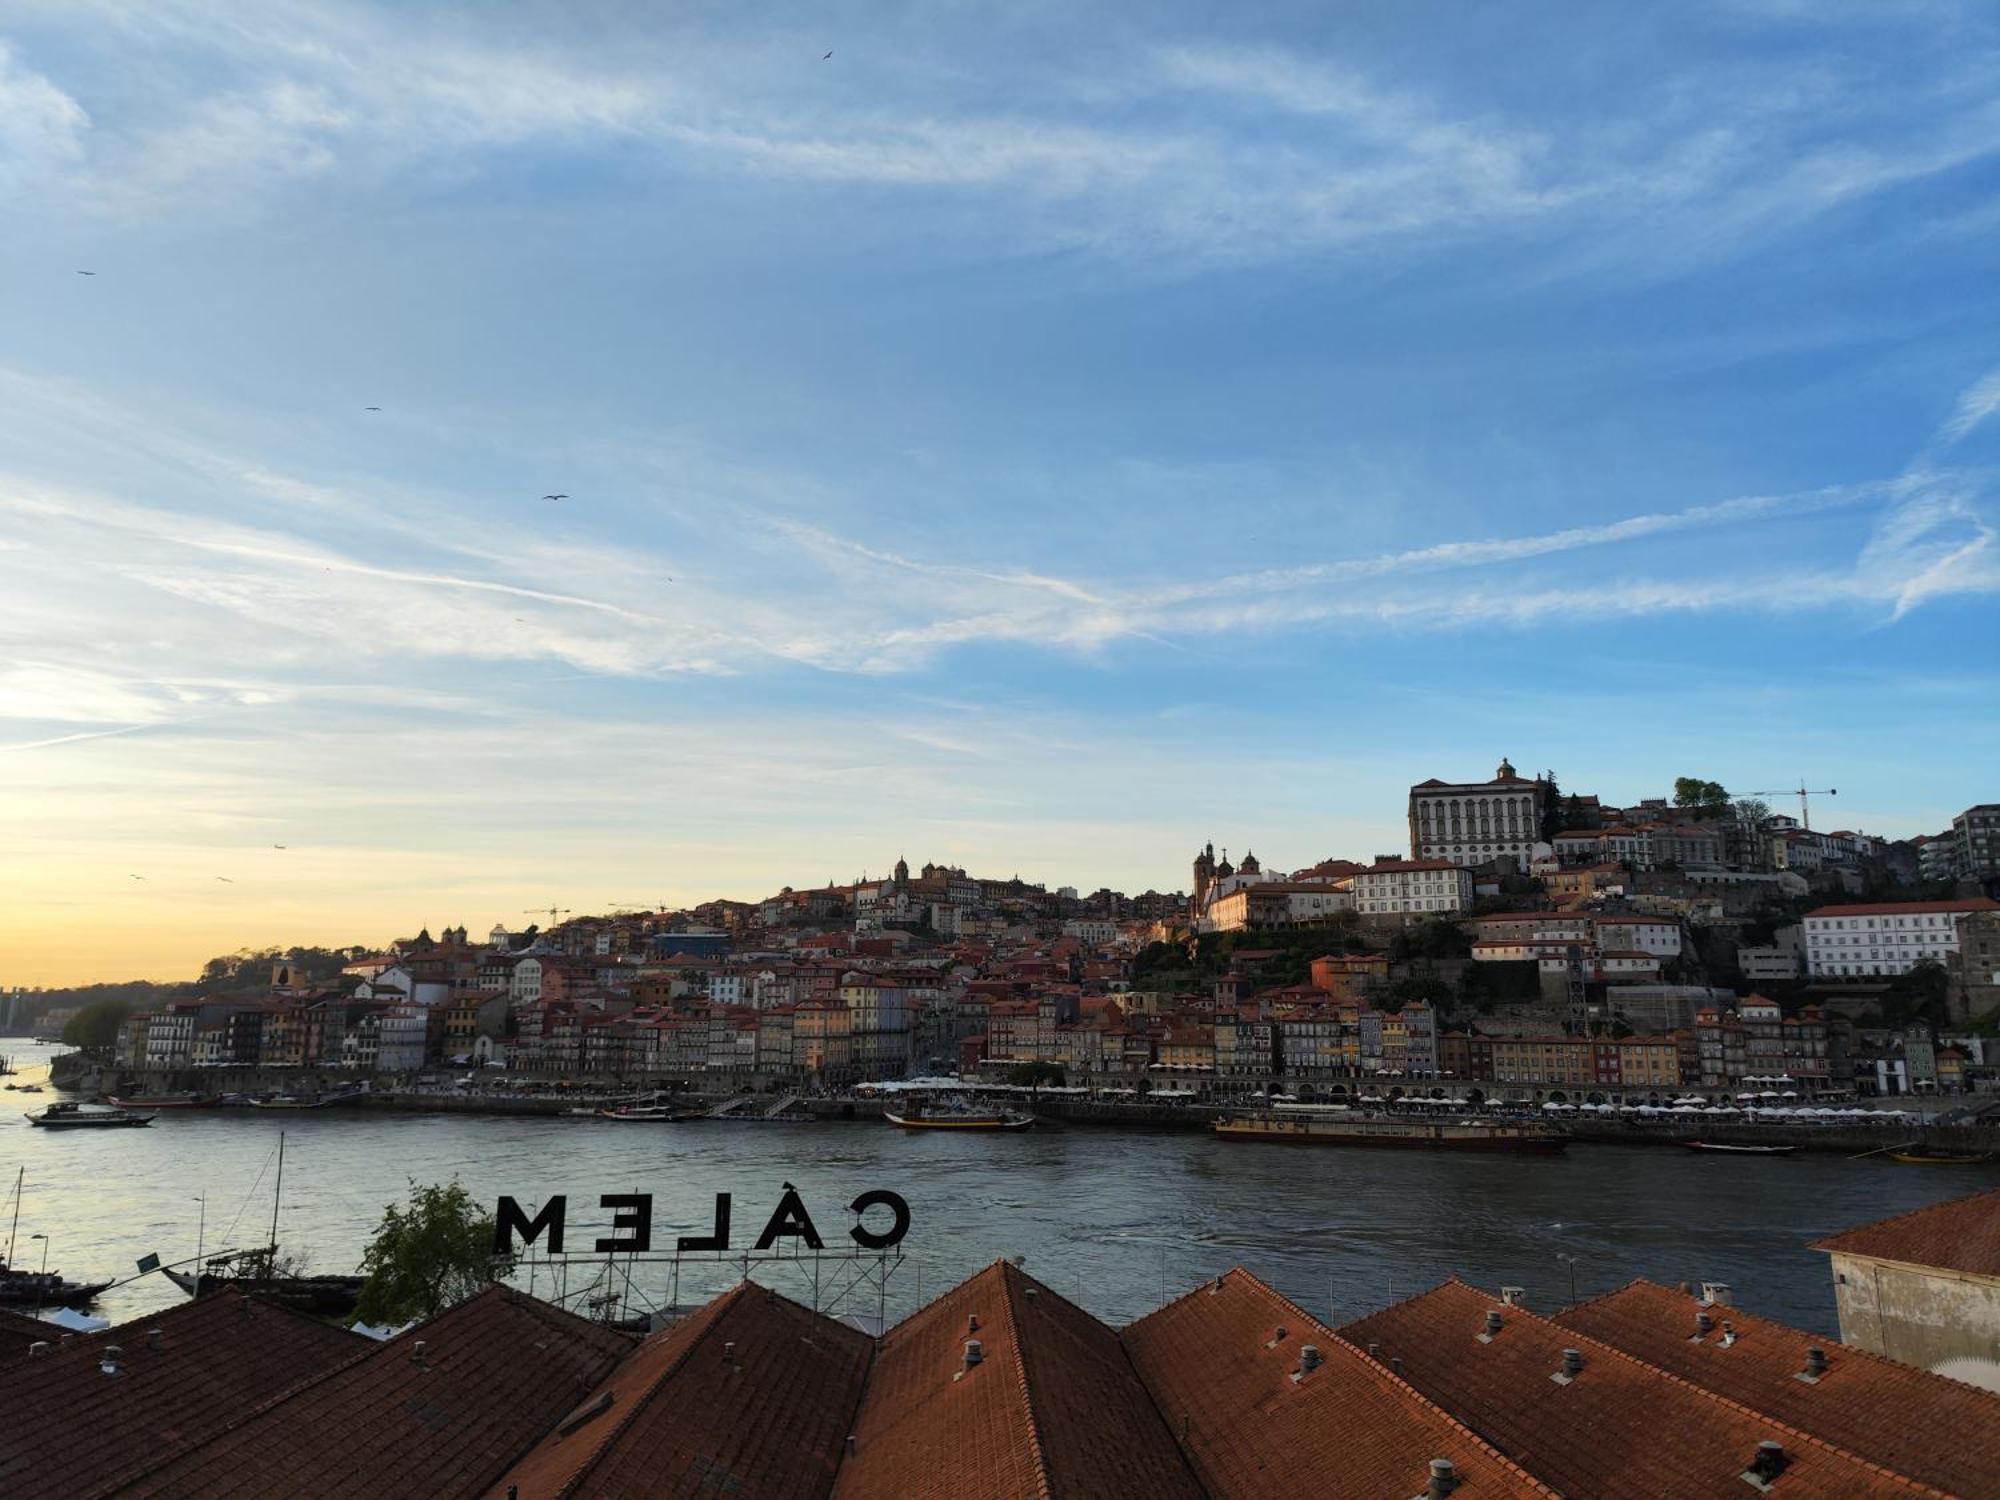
x=1825 y=1241
x=1730 y=1402
x=1383 y=1372
x=716 y=1311
x=1023 y=1391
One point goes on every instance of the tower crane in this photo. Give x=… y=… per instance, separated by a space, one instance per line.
x=553 y=912
x=1800 y=792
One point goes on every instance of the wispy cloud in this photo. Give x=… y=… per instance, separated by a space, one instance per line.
x=1976 y=403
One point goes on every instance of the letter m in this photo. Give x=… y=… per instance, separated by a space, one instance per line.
x=509 y=1220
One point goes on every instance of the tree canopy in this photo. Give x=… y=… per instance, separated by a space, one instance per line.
x=1705 y=799
x=95 y=1027
x=428 y=1254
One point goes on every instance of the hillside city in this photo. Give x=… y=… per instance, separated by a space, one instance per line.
x=1532 y=938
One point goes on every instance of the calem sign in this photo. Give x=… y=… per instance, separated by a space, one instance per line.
x=632 y=1224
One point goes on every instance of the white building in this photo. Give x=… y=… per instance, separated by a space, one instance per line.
x=1470 y=823
x=1412 y=887
x=1274 y=903
x=1872 y=941
x=170 y=1039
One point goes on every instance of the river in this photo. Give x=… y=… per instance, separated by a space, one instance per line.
x=1105 y=1216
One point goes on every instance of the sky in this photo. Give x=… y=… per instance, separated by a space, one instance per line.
x=1041 y=438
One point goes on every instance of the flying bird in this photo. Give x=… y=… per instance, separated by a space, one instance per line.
x=371 y=408
x=555 y=497
x=86 y=273
x=829 y=53
x=138 y=877
x=278 y=846
x=225 y=880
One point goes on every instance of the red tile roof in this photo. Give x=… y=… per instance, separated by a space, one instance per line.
x=70 y=1427
x=753 y=1394
x=18 y=1332
x=497 y=1372
x=1621 y=1429
x=1891 y=1413
x=1907 y=908
x=1053 y=1408
x=1219 y=1363
x=1960 y=1235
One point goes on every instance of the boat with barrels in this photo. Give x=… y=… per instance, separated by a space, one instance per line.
x=955 y=1114
x=1328 y=1127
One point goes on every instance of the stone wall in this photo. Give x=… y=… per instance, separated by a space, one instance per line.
x=1947 y=1321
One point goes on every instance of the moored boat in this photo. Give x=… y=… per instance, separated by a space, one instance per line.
x=933 y=1116
x=1941 y=1158
x=65 y=1115
x=162 y=1101
x=1288 y=1128
x=44 y=1289
x=253 y=1271
x=658 y=1114
x=1728 y=1149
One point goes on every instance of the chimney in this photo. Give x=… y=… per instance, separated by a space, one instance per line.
x=974 y=1352
x=1493 y=1323
x=113 y=1354
x=417 y=1355
x=1309 y=1356
x=1704 y=1324
x=972 y=1322
x=39 y=1349
x=1767 y=1464
x=153 y=1338
x=1815 y=1365
x=1444 y=1479
x=1571 y=1368
x=728 y=1352
x=1514 y=1296
x=1396 y=1366
x=1278 y=1337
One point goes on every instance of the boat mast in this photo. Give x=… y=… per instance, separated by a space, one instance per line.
x=277 y=1192
x=18 y=1178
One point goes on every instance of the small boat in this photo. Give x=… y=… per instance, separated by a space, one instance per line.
x=162 y=1101
x=656 y=1114
x=1725 y=1148
x=67 y=1116
x=251 y=1271
x=44 y=1289
x=956 y=1116
x=1941 y=1158
x=286 y=1101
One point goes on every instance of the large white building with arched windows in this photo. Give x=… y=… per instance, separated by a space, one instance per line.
x=1470 y=823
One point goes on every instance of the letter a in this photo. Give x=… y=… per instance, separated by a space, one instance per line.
x=790 y=1219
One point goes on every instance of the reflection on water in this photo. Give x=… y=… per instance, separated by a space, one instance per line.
x=1104 y=1216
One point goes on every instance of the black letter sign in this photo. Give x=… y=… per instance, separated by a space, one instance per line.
x=717 y=1241
x=790 y=1218
x=866 y=1238
x=508 y=1220
x=633 y=1211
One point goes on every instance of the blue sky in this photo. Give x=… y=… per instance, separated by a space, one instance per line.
x=1041 y=437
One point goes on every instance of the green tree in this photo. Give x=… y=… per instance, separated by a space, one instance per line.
x=428 y=1254
x=95 y=1027
x=1918 y=994
x=1705 y=799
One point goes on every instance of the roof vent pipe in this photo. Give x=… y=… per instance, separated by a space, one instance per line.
x=850 y=1445
x=39 y=1349
x=113 y=1353
x=417 y=1356
x=153 y=1338
x=972 y=1322
x=1444 y=1479
x=1396 y=1365
x=1704 y=1322
x=1815 y=1363
x=1309 y=1356
x=1374 y=1350
x=1768 y=1463
x=974 y=1352
x=729 y=1352
x=1493 y=1325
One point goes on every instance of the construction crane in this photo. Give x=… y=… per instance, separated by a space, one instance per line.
x=1800 y=792
x=553 y=912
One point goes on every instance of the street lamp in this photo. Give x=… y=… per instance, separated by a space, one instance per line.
x=45 y=1251
x=1570 y=1261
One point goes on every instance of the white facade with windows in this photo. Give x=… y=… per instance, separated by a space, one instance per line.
x=1412 y=887
x=1875 y=941
x=1470 y=823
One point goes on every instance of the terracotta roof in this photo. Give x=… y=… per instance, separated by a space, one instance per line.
x=1907 y=908
x=1937 y=1430
x=1619 y=1430
x=1052 y=1409
x=497 y=1372
x=18 y=1331
x=1220 y=1363
x=1960 y=1235
x=753 y=1394
x=73 y=1428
